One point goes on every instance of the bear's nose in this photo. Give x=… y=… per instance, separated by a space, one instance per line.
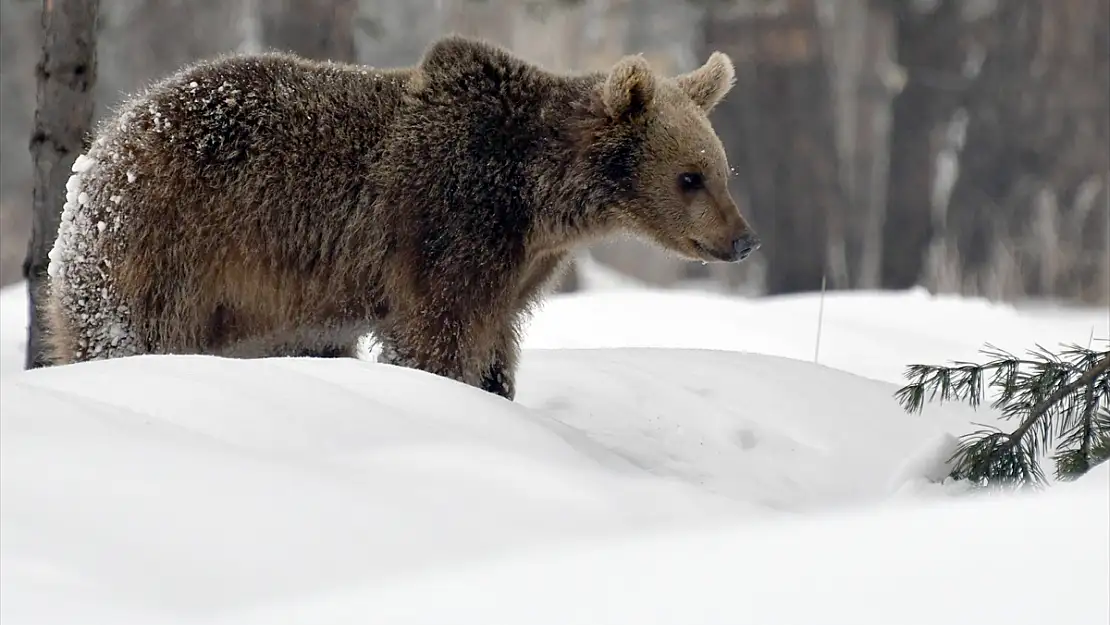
x=744 y=245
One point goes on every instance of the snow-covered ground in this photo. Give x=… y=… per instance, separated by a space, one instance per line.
x=870 y=334
x=13 y=328
x=673 y=457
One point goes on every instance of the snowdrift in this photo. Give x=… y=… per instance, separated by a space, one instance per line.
x=909 y=565
x=201 y=488
x=870 y=334
x=626 y=485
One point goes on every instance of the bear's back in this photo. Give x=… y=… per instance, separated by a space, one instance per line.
x=271 y=110
x=262 y=146
x=223 y=168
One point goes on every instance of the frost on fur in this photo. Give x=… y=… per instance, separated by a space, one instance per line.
x=86 y=314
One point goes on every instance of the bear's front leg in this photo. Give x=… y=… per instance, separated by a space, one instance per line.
x=441 y=344
x=499 y=380
x=500 y=375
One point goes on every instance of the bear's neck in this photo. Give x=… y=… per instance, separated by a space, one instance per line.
x=574 y=201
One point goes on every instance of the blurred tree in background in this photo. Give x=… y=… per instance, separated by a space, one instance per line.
x=65 y=77
x=781 y=138
x=318 y=29
x=959 y=145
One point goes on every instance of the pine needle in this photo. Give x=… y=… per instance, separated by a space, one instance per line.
x=1058 y=398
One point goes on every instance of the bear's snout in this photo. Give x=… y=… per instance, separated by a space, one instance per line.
x=729 y=238
x=744 y=245
x=732 y=249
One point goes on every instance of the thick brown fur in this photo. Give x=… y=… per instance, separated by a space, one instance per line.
x=267 y=205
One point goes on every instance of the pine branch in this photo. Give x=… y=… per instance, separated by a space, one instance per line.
x=1053 y=396
x=990 y=457
x=1088 y=424
x=1071 y=464
x=1047 y=403
x=963 y=381
x=1090 y=441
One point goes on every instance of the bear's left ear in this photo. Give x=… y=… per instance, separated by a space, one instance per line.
x=708 y=84
x=629 y=89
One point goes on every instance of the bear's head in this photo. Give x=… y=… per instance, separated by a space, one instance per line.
x=679 y=172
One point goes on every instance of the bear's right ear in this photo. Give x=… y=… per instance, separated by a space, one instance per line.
x=452 y=53
x=708 y=84
x=629 y=89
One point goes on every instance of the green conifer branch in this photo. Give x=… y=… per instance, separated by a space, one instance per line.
x=1055 y=396
x=1049 y=402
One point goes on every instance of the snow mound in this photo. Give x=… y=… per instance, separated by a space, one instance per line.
x=644 y=475
x=194 y=485
x=911 y=565
x=13 y=327
x=871 y=334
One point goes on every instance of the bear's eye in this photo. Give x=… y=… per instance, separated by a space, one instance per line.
x=690 y=182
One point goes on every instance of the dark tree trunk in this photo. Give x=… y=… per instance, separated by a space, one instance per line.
x=316 y=29
x=978 y=206
x=931 y=49
x=866 y=163
x=63 y=119
x=781 y=138
x=1028 y=209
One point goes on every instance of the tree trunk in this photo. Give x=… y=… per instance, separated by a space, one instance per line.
x=879 y=82
x=783 y=142
x=63 y=119
x=315 y=29
x=932 y=51
x=1027 y=209
x=19 y=46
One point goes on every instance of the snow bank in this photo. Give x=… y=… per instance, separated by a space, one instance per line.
x=871 y=334
x=241 y=482
x=907 y=565
x=238 y=481
x=13 y=327
x=627 y=484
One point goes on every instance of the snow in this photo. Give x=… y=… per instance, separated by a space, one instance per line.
x=888 y=565
x=75 y=267
x=659 y=466
x=13 y=328
x=70 y=244
x=870 y=334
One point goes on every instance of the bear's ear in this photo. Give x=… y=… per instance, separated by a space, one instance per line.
x=708 y=84
x=629 y=89
x=451 y=52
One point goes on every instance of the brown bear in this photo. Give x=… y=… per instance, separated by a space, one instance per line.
x=267 y=205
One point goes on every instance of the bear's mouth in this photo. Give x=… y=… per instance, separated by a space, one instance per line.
x=706 y=253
